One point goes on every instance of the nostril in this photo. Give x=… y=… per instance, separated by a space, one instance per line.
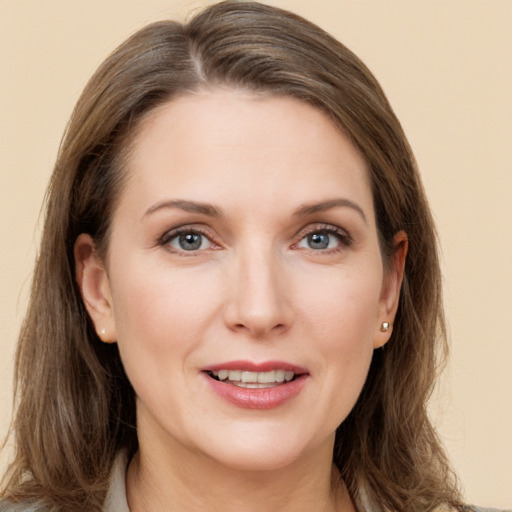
x=259 y=330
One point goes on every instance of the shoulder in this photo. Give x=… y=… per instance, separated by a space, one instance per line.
x=115 y=500
x=480 y=509
x=9 y=506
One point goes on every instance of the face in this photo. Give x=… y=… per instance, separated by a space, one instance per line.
x=244 y=282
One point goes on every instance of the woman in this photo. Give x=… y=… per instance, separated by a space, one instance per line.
x=236 y=214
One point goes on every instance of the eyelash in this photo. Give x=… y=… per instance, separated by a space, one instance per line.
x=169 y=236
x=345 y=240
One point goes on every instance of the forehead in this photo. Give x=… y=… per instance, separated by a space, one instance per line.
x=209 y=145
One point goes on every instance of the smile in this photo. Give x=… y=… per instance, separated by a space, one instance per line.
x=249 y=385
x=253 y=380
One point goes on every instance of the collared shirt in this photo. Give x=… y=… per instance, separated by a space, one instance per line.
x=116 y=496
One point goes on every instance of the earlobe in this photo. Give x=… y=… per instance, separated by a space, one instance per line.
x=92 y=278
x=390 y=292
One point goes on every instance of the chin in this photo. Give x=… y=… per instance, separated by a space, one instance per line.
x=259 y=459
x=257 y=450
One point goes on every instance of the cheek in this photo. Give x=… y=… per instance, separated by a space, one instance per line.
x=341 y=317
x=160 y=317
x=347 y=326
x=342 y=303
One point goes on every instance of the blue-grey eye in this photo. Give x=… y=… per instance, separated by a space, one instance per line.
x=320 y=240
x=190 y=241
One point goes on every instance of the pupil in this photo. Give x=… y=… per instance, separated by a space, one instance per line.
x=319 y=240
x=190 y=241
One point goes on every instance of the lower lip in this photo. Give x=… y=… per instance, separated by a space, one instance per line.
x=258 y=398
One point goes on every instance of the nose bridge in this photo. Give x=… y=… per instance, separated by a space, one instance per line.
x=259 y=302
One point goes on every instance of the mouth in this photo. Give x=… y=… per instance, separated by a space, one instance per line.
x=253 y=380
x=249 y=385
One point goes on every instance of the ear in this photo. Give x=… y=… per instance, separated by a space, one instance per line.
x=390 y=291
x=92 y=278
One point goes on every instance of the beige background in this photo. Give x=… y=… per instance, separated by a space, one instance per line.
x=447 y=69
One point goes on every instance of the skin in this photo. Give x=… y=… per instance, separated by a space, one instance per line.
x=256 y=290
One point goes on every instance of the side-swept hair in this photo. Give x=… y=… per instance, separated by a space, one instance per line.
x=75 y=408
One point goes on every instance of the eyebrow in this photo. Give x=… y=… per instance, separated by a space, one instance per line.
x=309 y=209
x=187 y=206
x=212 y=211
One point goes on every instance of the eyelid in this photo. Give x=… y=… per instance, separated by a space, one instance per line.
x=343 y=235
x=170 y=234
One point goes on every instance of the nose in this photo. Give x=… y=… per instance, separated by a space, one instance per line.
x=259 y=303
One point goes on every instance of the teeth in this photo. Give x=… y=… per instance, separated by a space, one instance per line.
x=249 y=377
x=252 y=379
x=253 y=385
x=266 y=377
x=233 y=375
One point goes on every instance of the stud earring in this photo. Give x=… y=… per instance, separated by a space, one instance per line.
x=103 y=337
x=384 y=327
x=103 y=333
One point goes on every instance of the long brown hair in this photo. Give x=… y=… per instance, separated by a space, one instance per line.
x=75 y=406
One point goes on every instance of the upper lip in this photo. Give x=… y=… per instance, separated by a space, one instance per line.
x=250 y=366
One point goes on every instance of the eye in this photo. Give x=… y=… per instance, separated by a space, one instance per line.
x=324 y=239
x=187 y=240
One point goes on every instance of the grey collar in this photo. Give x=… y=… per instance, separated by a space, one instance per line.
x=116 y=496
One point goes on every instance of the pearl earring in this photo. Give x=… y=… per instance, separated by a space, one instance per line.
x=384 y=327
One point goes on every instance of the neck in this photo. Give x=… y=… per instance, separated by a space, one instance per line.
x=159 y=481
